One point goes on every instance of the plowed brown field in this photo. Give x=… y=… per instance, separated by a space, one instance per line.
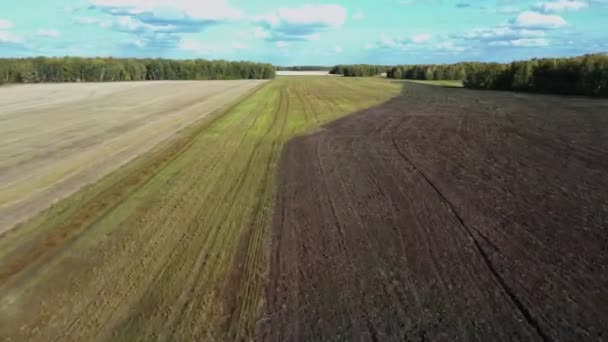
x=445 y=214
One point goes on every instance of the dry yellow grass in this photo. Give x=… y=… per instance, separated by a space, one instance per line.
x=54 y=138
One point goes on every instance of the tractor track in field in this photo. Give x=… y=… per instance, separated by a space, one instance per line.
x=508 y=290
x=444 y=214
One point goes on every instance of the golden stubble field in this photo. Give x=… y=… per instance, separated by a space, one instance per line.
x=175 y=244
x=54 y=138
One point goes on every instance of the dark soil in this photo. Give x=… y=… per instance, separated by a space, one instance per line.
x=445 y=214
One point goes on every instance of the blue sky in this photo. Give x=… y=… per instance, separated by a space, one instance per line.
x=298 y=32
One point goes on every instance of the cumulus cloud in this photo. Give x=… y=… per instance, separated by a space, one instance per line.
x=91 y=21
x=205 y=10
x=421 y=38
x=160 y=25
x=506 y=36
x=524 y=42
x=259 y=32
x=8 y=37
x=301 y=23
x=560 y=6
x=401 y=43
x=51 y=33
x=536 y=20
x=449 y=46
x=167 y=15
x=418 y=42
x=499 y=33
x=139 y=43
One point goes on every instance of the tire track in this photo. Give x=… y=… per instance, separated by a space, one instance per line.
x=507 y=289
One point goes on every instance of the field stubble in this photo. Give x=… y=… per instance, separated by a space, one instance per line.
x=55 y=138
x=174 y=245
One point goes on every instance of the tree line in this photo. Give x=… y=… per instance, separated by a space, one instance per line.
x=431 y=71
x=583 y=75
x=75 y=69
x=359 y=70
x=304 y=68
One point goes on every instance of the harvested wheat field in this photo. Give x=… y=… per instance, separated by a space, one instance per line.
x=55 y=138
x=175 y=244
x=445 y=214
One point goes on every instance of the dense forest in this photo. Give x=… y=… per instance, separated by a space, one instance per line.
x=359 y=70
x=304 y=68
x=584 y=75
x=73 y=69
x=431 y=71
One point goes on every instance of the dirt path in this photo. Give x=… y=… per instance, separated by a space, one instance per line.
x=55 y=138
x=445 y=214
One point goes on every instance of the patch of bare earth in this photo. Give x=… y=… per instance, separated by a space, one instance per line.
x=445 y=214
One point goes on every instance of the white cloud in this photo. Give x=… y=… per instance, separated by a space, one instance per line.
x=449 y=46
x=301 y=23
x=531 y=19
x=139 y=43
x=525 y=42
x=5 y=24
x=416 y=43
x=338 y=49
x=127 y=24
x=321 y=15
x=421 y=38
x=172 y=9
x=388 y=42
x=259 y=32
x=8 y=37
x=51 y=33
x=506 y=36
x=404 y=43
x=93 y=21
x=282 y=44
x=500 y=33
x=561 y=5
